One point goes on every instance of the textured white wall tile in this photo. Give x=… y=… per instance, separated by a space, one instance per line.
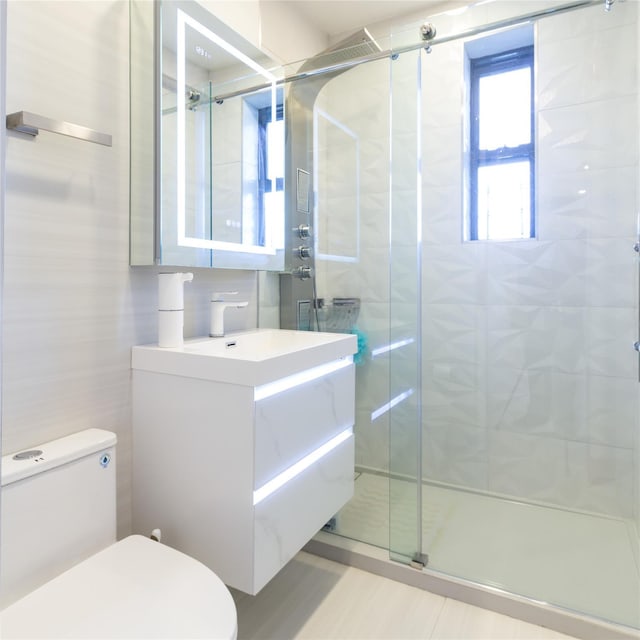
x=613 y=406
x=612 y=272
x=457 y=454
x=528 y=466
x=455 y=274
x=466 y=383
x=442 y=220
x=594 y=134
x=454 y=333
x=566 y=67
x=442 y=155
x=587 y=203
x=610 y=334
x=599 y=478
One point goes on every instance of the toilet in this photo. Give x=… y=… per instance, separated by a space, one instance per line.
x=65 y=576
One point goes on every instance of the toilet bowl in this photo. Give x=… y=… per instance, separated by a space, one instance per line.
x=64 y=576
x=135 y=588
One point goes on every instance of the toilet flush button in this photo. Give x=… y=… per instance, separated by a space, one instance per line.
x=28 y=455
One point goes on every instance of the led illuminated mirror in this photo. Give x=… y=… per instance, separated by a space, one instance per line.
x=219 y=145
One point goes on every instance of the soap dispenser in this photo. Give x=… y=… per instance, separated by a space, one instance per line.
x=171 y=308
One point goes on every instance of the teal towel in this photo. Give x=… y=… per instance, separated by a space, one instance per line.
x=359 y=355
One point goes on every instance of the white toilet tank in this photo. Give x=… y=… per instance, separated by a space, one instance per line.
x=58 y=508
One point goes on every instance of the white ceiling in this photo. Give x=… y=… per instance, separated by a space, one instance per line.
x=337 y=16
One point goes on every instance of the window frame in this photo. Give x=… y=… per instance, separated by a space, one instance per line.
x=480 y=67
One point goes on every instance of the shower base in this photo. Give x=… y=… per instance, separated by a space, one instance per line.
x=581 y=564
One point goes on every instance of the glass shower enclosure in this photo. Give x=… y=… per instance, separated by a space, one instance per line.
x=497 y=410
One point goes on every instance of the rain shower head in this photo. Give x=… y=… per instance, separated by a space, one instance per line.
x=357 y=45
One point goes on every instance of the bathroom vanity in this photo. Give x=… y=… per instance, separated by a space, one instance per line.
x=243 y=446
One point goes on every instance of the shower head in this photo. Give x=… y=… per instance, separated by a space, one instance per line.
x=357 y=45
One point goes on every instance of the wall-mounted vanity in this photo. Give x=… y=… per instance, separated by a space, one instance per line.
x=243 y=446
x=205 y=188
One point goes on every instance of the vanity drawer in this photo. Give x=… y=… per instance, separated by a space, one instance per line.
x=295 y=422
x=286 y=520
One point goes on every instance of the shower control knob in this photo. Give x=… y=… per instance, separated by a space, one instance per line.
x=304 y=252
x=303 y=231
x=304 y=273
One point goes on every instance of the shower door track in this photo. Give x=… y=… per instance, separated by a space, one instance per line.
x=354 y=62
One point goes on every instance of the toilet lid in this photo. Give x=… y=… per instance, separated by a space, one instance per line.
x=135 y=588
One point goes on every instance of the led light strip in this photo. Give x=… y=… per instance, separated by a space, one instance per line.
x=296 y=469
x=278 y=386
x=392 y=403
x=390 y=347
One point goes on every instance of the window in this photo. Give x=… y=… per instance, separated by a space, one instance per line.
x=502 y=162
x=270 y=173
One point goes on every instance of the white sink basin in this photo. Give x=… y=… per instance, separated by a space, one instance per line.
x=248 y=358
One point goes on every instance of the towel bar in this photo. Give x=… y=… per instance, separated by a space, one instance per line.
x=31 y=123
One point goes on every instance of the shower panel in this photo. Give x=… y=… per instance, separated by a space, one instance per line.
x=297 y=296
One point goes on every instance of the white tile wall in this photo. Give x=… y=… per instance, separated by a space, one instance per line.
x=72 y=306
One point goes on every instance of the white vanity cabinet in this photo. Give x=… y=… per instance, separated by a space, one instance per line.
x=240 y=476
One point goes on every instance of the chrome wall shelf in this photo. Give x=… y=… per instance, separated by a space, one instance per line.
x=31 y=123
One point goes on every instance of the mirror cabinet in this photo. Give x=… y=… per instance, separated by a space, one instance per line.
x=207 y=143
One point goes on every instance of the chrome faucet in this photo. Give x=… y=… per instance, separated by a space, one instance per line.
x=218 y=306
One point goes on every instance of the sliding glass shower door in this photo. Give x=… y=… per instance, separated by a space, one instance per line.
x=530 y=395
x=366 y=172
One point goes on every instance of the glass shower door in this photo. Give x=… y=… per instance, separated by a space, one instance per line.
x=530 y=392
x=351 y=150
x=366 y=172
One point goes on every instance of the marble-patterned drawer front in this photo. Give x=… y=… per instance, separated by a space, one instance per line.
x=286 y=520
x=294 y=423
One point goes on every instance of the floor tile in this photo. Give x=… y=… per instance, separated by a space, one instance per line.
x=316 y=599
